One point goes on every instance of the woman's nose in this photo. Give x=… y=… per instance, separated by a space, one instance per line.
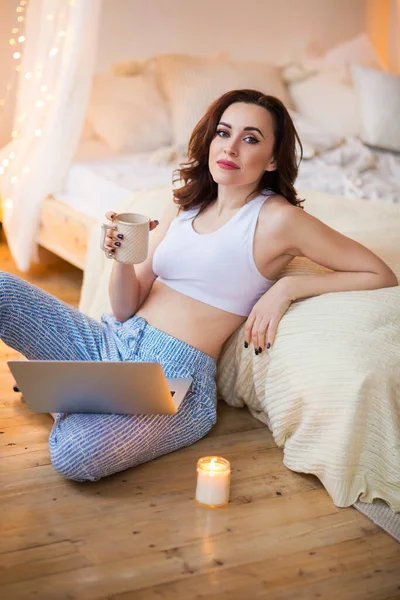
x=230 y=150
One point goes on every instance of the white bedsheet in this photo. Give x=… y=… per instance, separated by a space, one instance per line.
x=98 y=180
x=354 y=171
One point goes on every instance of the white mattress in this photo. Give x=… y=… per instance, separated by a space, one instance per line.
x=98 y=180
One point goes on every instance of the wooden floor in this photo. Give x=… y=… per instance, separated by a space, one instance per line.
x=139 y=534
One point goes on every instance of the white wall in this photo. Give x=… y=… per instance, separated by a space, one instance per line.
x=250 y=29
x=270 y=30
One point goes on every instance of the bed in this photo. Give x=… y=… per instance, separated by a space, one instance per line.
x=330 y=386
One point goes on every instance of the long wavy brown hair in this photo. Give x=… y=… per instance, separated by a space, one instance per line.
x=200 y=189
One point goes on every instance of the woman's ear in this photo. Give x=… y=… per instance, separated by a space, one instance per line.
x=271 y=166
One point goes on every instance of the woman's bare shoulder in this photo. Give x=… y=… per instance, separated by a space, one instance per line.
x=276 y=209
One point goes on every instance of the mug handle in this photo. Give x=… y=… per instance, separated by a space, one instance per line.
x=104 y=227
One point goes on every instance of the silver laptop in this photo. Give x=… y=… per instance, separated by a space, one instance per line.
x=98 y=387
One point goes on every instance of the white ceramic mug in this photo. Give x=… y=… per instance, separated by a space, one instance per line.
x=135 y=244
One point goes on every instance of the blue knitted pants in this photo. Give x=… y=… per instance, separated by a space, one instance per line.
x=90 y=446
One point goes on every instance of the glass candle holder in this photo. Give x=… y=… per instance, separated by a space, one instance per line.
x=213 y=481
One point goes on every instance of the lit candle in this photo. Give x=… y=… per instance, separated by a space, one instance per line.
x=213 y=481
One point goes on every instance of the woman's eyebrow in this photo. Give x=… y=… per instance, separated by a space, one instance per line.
x=244 y=128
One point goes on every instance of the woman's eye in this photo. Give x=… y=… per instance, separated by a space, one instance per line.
x=252 y=139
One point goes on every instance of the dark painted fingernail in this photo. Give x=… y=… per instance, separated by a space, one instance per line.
x=256 y=352
x=120 y=236
x=268 y=346
x=246 y=345
x=117 y=243
x=15 y=388
x=259 y=350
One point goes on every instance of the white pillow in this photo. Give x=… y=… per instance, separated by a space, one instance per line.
x=129 y=113
x=359 y=50
x=322 y=89
x=378 y=95
x=191 y=83
x=327 y=101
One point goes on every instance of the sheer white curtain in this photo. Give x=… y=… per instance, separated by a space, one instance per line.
x=53 y=91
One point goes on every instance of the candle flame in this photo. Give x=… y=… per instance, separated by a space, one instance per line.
x=212 y=466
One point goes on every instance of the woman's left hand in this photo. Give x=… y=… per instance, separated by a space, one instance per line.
x=263 y=321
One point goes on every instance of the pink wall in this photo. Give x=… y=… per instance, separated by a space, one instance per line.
x=270 y=30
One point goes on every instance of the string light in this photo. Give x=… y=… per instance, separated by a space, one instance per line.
x=18 y=37
x=13 y=41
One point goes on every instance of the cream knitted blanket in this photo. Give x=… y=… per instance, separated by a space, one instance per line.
x=329 y=390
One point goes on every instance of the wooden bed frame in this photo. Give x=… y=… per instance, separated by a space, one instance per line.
x=64 y=231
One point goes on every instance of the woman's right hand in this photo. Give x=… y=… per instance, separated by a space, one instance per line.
x=113 y=239
x=110 y=238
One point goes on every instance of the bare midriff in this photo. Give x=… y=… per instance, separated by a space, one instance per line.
x=192 y=321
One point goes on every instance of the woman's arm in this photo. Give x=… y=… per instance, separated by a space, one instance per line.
x=130 y=285
x=355 y=267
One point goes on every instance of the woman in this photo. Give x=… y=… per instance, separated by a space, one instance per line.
x=213 y=264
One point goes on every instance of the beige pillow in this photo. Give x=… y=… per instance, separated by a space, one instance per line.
x=191 y=83
x=129 y=113
x=378 y=95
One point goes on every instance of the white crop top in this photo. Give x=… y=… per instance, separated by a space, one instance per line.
x=217 y=268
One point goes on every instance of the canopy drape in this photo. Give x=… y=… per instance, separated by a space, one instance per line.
x=53 y=91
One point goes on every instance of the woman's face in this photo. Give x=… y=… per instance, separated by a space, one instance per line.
x=244 y=137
